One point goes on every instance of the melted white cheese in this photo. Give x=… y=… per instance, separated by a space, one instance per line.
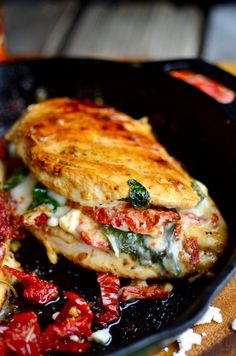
x=53 y=217
x=74 y=338
x=70 y=221
x=59 y=198
x=22 y=193
x=101 y=336
x=53 y=221
x=75 y=222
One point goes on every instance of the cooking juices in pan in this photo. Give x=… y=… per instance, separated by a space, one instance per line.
x=138 y=319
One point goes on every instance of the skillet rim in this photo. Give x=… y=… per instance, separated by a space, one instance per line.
x=203 y=300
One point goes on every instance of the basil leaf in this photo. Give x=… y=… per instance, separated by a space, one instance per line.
x=132 y=244
x=15 y=179
x=138 y=194
x=40 y=196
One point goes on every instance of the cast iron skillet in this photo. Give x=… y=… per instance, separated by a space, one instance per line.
x=195 y=128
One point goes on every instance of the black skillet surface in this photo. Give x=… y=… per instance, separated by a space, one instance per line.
x=196 y=129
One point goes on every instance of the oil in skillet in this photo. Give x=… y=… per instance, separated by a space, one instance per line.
x=138 y=319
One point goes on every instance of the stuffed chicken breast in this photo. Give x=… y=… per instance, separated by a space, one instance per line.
x=103 y=192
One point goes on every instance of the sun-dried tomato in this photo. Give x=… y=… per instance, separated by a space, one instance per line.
x=2 y=252
x=22 y=335
x=67 y=345
x=74 y=320
x=36 y=290
x=193 y=217
x=214 y=219
x=3 y=348
x=41 y=220
x=2 y=148
x=155 y=291
x=6 y=228
x=68 y=334
x=192 y=248
x=109 y=286
x=138 y=221
x=95 y=242
x=74 y=300
x=73 y=204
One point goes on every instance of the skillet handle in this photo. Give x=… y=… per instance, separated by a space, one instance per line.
x=224 y=81
x=231 y=108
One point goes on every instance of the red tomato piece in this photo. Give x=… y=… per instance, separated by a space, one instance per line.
x=22 y=335
x=214 y=219
x=74 y=300
x=3 y=348
x=70 y=346
x=2 y=148
x=109 y=286
x=136 y=220
x=36 y=289
x=89 y=240
x=6 y=229
x=192 y=248
x=155 y=291
x=75 y=321
x=2 y=252
x=41 y=220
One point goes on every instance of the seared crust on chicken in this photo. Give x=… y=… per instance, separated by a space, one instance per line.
x=88 y=153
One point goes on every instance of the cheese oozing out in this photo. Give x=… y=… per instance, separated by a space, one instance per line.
x=79 y=224
x=22 y=194
x=102 y=337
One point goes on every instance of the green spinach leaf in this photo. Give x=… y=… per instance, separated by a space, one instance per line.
x=138 y=194
x=171 y=257
x=132 y=244
x=40 y=196
x=15 y=179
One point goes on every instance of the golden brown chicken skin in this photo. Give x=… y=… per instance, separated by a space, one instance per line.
x=89 y=153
